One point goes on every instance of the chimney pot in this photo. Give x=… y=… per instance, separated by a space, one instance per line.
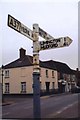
x=77 y=69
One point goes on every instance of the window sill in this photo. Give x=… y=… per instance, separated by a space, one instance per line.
x=7 y=77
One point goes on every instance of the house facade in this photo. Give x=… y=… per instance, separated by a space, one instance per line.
x=18 y=76
x=77 y=73
x=66 y=77
x=20 y=80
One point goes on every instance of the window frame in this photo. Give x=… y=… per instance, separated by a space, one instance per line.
x=23 y=87
x=7 y=87
x=52 y=73
x=47 y=73
x=7 y=73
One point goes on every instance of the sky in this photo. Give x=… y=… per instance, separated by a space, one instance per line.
x=59 y=18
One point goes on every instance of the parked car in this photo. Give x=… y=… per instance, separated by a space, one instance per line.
x=76 y=89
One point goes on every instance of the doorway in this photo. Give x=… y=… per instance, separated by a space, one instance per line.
x=47 y=86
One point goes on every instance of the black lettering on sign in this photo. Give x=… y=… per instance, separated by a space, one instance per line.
x=58 y=40
x=18 y=25
x=11 y=22
x=25 y=30
x=14 y=23
x=65 y=42
x=42 y=44
x=42 y=33
x=32 y=35
x=29 y=33
x=49 y=44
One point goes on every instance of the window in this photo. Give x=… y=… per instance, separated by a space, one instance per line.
x=7 y=88
x=47 y=86
x=7 y=74
x=23 y=87
x=53 y=74
x=46 y=73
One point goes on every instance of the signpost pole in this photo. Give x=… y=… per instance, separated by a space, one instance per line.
x=36 y=74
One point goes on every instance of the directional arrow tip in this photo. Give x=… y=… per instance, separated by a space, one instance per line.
x=69 y=40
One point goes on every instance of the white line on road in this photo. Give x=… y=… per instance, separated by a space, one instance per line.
x=6 y=114
x=64 y=108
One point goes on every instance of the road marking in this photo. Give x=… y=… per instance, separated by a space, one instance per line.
x=58 y=112
x=64 y=108
x=61 y=110
x=5 y=113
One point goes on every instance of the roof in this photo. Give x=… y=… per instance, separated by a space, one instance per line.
x=62 y=67
x=28 y=61
x=48 y=64
x=21 y=62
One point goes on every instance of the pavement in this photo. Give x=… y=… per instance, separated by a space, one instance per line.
x=54 y=95
x=9 y=102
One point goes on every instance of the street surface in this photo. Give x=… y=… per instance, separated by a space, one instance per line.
x=62 y=106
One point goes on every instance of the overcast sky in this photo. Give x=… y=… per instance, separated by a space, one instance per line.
x=59 y=18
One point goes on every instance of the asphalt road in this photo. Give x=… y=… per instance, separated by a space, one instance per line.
x=63 y=106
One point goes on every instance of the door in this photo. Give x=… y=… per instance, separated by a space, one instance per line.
x=47 y=86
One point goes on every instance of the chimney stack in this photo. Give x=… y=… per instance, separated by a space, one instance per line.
x=22 y=53
x=77 y=69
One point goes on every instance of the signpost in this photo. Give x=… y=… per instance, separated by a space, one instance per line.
x=33 y=35
x=37 y=46
x=19 y=27
x=55 y=43
x=36 y=74
x=44 y=34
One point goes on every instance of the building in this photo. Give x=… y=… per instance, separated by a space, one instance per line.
x=77 y=73
x=66 y=77
x=54 y=76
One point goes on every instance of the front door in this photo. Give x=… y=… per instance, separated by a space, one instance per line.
x=47 y=86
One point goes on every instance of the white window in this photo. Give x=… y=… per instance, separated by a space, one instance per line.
x=53 y=74
x=46 y=73
x=6 y=73
x=7 y=88
x=23 y=87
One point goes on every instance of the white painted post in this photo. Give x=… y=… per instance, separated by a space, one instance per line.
x=36 y=73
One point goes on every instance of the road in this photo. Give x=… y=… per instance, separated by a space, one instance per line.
x=63 y=106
